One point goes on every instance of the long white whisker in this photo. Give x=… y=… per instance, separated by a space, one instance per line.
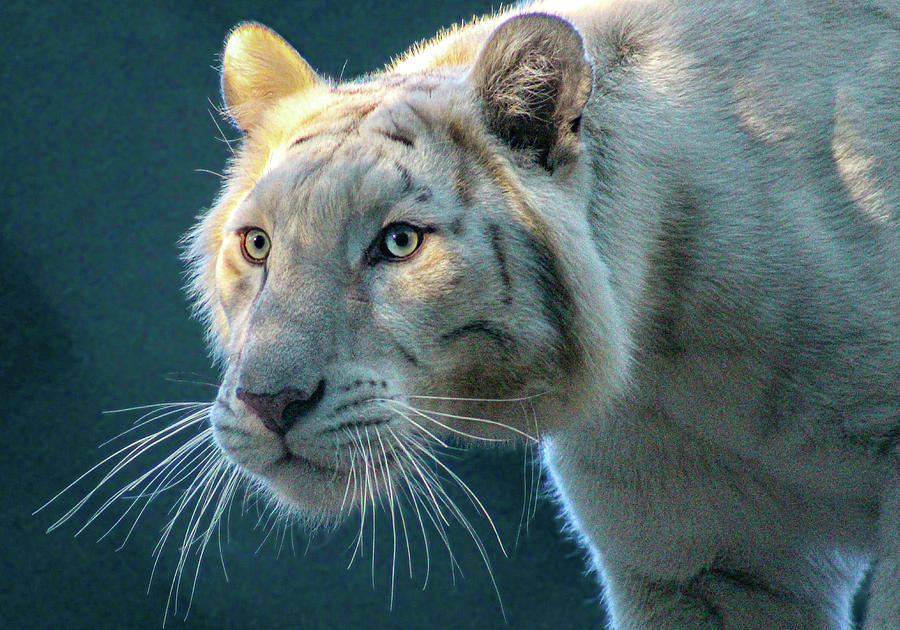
x=372 y=495
x=221 y=133
x=419 y=426
x=489 y=400
x=189 y=445
x=228 y=495
x=536 y=464
x=153 y=416
x=207 y=464
x=468 y=526
x=471 y=436
x=363 y=489
x=155 y=406
x=432 y=510
x=391 y=504
x=350 y=475
x=415 y=505
x=526 y=496
x=207 y=486
x=200 y=485
x=132 y=451
x=495 y=423
x=472 y=496
x=400 y=466
x=203 y=468
x=183 y=458
x=216 y=486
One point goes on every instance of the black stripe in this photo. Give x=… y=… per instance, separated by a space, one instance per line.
x=302 y=139
x=397 y=137
x=556 y=300
x=747 y=581
x=890 y=441
x=409 y=356
x=500 y=255
x=481 y=327
x=405 y=177
x=462 y=178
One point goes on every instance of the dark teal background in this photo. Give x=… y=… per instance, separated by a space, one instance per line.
x=104 y=123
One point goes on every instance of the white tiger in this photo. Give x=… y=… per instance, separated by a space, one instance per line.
x=668 y=229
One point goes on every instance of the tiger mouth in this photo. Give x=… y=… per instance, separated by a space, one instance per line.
x=384 y=460
x=293 y=459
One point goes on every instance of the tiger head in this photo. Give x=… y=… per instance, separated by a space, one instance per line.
x=402 y=260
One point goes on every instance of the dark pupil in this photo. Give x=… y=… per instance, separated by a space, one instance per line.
x=401 y=239
x=259 y=241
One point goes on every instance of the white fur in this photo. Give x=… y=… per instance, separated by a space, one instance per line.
x=727 y=230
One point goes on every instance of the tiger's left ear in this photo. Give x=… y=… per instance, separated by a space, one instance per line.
x=533 y=80
x=258 y=68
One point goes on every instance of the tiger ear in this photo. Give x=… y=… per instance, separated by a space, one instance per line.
x=259 y=67
x=533 y=81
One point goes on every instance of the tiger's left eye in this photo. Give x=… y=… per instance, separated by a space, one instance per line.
x=400 y=241
x=255 y=245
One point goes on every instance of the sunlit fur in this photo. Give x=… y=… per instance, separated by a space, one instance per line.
x=660 y=240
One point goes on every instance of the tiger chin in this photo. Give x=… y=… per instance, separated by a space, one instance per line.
x=670 y=260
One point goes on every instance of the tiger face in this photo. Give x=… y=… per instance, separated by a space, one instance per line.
x=399 y=261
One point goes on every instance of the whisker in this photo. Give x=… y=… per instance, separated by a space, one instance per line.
x=153 y=406
x=420 y=427
x=468 y=526
x=479 y=420
x=536 y=464
x=526 y=497
x=154 y=416
x=128 y=459
x=372 y=494
x=415 y=505
x=388 y=482
x=131 y=452
x=350 y=475
x=214 y=486
x=432 y=510
x=176 y=377
x=420 y=412
x=472 y=496
x=176 y=460
x=212 y=463
x=209 y=172
x=400 y=506
x=488 y=400
x=222 y=133
x=205 y=487
x=363 y=488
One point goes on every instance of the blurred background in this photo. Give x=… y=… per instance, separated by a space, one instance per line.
x=106 y=127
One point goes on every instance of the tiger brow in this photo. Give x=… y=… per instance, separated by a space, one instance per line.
x=398 y=136
x=405 y=177
x=303 y=139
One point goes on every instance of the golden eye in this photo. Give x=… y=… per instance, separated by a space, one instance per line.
x=399 y=241
x=255 y=245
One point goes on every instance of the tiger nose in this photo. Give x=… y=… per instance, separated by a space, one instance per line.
x=279 y=412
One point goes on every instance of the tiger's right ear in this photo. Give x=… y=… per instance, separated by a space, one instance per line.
x=258 y=68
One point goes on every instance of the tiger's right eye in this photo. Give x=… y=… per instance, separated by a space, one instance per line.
x=255 y=245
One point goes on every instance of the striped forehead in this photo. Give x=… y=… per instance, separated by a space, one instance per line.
x=323 y=194
x=381 y=108
x=366 y=150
